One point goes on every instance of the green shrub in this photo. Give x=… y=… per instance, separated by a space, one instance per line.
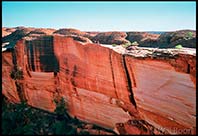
x=127 y=44
x=61 y=109
x=179 y=46
x=135 y=43
x=188 y=36
x=114 y=45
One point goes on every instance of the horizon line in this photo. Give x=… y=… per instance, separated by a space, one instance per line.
x=57 y=28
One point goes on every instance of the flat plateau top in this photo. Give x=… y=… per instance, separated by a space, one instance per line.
x=154 y=52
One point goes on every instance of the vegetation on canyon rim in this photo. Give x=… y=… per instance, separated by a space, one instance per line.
x=135 y=43
x=188 y=36
x=179 y=46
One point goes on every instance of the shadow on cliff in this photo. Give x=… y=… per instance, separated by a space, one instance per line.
x=40 y=55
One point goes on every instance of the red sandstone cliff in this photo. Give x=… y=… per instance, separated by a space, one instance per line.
x=9 y=88
x=130 y=93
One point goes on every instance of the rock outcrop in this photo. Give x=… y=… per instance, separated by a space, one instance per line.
x=138 y=91
x=15 y=36
x=70 y=31
x=18 y=33
x=80 y=39
x=77 y=35
x=187 y=38
x=111 y=38
x=7 y=31
x=143 y=38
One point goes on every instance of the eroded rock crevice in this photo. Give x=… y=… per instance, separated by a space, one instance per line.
x=112 y=72
x=131 y=96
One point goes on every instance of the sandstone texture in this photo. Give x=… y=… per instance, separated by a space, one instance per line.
x=134 y=91
x=9 y=88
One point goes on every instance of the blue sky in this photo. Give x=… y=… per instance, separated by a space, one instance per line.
x=101 y=16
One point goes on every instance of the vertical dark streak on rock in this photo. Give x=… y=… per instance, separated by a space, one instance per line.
x=74 y=73
x=133 y=77
x=27 y=51
x=188 y=68
x=131 y=96
x=14 y=61
x=112 y=72
x=72 y=79
x=20 y=91
x=28 y=71
x=31 y=56
x=57 y=84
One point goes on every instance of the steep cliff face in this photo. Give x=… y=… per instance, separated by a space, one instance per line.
x=36 y=59
x=8 y=84
x=120 y=91
x=85 y=75
x=87 y=79
x=165 y=98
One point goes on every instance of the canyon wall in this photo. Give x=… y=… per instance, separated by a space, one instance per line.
x=165 y=98
x=8 y=84
x=103 y=86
